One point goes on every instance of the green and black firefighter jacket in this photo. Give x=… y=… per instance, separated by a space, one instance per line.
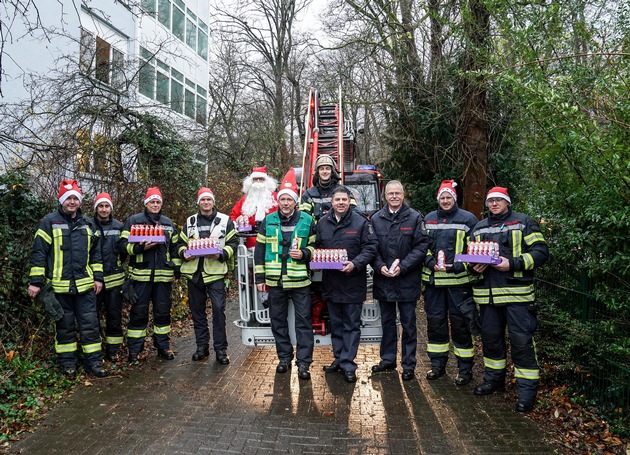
x=273 y=264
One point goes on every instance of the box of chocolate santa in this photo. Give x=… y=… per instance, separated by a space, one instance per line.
x=204 y=247
x=328 y=259
x=140 y=233
x=480 y=253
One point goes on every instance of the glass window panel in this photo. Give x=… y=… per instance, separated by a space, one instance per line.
x=179 y=23
x=191 y=14
x=203 y=26
x=87 y=46
x=163 y=82
x=177 y=75
x=163 y=66
x=181 y=4
x=149 y=7
x=100 y=154
x=145 y=54
x=201 y=91
x=202 y=45
x=190 y=84
x=147 y=80
x=177 y=96
x=164 y=13
x=118 y=69
x=189 y=106
x=201 y=110
x=191 y=34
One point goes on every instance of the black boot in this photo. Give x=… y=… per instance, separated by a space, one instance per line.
x=487 y=387
x=201 y=353
x=222 y=357
x=463 y=377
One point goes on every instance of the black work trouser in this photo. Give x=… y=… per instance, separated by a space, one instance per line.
x=111 y=301
x=441 y=305
x=278 y=313
x=159 y=294
x=198 y=294
x=409 y=337
x=345 y=332
x=521 y=323
x=78 y=310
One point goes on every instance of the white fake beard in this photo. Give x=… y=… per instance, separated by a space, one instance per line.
x=258 y=201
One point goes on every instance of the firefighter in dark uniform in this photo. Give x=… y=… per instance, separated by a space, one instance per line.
x=401 y=236
x=505 y=295
x=66 y=255
x=152 y=268
x=284 y=246
x=316 y=200
x=345 y=290
x=206 y=275
x=110 y=299
x=448 y=287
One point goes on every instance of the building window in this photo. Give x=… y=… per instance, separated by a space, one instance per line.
x=179 y=23
x=149 y=7
x=164 y=13
x=83 y=151
x=168 y=86
x=118 y=69
x=100 y=60
x=86 y=51
x=103 y=50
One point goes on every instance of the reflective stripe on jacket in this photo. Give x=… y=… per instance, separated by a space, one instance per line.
x=200 y=227
x=158 y=264
x=66 y=252
x=273 y=265
x=448 y=231
x=109 y=233
x=522 y=243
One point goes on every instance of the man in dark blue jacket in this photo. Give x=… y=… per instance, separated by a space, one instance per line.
x=345 y=290
x=402 y=245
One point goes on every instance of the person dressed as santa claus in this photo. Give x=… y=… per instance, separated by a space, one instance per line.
x=260 y=199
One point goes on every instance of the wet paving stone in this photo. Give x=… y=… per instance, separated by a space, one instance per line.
x=185 y=407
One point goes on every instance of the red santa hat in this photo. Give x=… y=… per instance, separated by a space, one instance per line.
x=498 y=191
x=289 y=185
x=258 y=172
x=103 y=197
x=152 y=194
x=205 y=192
x=449 y=187
x=69 y=188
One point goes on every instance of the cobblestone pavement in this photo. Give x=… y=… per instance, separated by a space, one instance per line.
x=186 y=407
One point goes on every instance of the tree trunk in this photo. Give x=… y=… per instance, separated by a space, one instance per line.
x=473 y=127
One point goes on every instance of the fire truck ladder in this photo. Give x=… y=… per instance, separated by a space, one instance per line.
x=325 y=133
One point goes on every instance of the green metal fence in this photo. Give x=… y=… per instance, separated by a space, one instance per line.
x=600 y=307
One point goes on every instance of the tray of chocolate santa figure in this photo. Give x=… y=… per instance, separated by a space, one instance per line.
x=326 y=265
x=204 y=251
x=244 y=228
x=477 y=259
x=146 y=238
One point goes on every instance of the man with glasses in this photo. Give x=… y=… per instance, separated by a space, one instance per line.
x=505 y=295
x=402 y=245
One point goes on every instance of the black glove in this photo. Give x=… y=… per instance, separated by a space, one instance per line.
x=129 y=293
x=51 y=305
